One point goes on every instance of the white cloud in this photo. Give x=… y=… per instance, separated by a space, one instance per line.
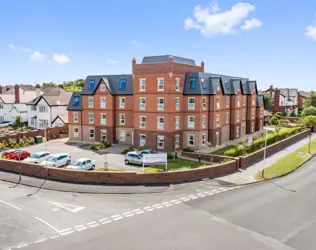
x=311 y=31
x=37 y=56
x=251 y=23
x=209 y=21
x=61 y=59
x=15 y=48
x=112 y=61
x=136 y=43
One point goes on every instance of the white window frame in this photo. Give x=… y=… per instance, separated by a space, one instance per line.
x=91 y=133
x=160 y=138
x=227 y=101
x=252 y=114
x=102 y=87
x=159 y=84
x=75 y=117
x=103 y=122
x=204 y=121
x=189 y=139
x=253 y=100
x=177 y=122
x=191 y=124
x=76 y=134
x=244 y=100
x=203 y=139
x=177 y=84
x=218 y=123
x=142 y=84
x=120 y=119
x=142 y=124
x=90 y=101
x=142 y=142
x=238 y=101
x=217 y=136
x=122 y=102
x=159 y=124
x=238 y=116
x=144 y=103
x=103 y=102
x=204 y=103
x=191 y=106
x=218 y=102
x=42 y=109
x=227 y=117
x=237 y=132
x=243 y=114
x=91 y=120
x=177 y=103
x=160 y=106
x=252 y=126
x=104 y=131
x=177 y=141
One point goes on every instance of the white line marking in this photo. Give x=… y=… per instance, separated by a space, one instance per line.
x=69 y=207
x=203 y=195
x=147 y=207
x=39 y=241
x=118 y=218
x=129 y=215
x=94 y=225
x=106 y=222
x=165 y=203
x=168 y=205
x=193 y=197
x=178 y=202
x=207 y=192
x=79 y=226
x=136 y=210
x=103 y=219
x=6 y=203
x=150 y=209
x=81 y=229
x=139 y=212
x=47 y=224
x=174 y=200
x=114 y=216
x=24 y=245
x=91 y=223
x=186 y=200
x=156 y=205
x=54 y=237
x=190 y=196
x=69 y=232
x=159 y=207
x=64 y=230
x=183 y=198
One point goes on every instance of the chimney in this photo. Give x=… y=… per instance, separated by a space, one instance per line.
x=202 y=66
x=133 y=65
x=1 y=90
x=61 y=86
x=17 y=93
x=170 y=59
x=38 y=90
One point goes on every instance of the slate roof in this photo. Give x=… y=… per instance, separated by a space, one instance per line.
x=112 y=82
x=64 y=118
x=71 y=105
x=259 y=100
x=54 y=97
x=303 y=93
x=206 y=84
x=286 y=92
x=164 y=59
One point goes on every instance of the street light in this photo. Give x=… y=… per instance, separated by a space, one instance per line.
x=265 y=148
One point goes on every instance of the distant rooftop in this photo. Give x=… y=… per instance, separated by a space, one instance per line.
x=164 y=59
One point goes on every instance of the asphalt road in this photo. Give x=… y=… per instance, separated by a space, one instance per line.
x=273 y=215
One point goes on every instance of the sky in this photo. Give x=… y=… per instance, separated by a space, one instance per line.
x=271 y=41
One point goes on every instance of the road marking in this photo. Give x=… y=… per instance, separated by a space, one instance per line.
x=64 y=230
x=94 y=225
x=159 y=207
x=114 y=216
x=81 y=229
x=150 y=209
x=118 y=218
x=207 y=192
x=106 y=222
x=183 y=198
x=193 y=197
x=136 y=210
x=54 y=237
x=10 y=205
x=202 y=195
x=20 y=246
x=69 y=232
x=199 y=194
x=139 y=212
x=168 y=205
x=127 y=213
x=165 y=203
x=178 y=202
x=69 y=207
x=39 y=241
x=103 y=219
x=145 y=208
x=79 y=226
x=186 y=200
x=91 y=223
x=47 y=224
x=156 y=205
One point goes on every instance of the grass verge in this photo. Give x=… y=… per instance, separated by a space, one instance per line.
x=178 y=164
x=222 y=150
x=288 y=163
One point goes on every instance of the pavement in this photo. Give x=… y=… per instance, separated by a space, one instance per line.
x=248 y=175
x=277 y=214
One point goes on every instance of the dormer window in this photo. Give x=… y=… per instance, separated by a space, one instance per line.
x=122 y=84
x=203 y=83
x=192 y=83
x=91 y=85
x=76 y=101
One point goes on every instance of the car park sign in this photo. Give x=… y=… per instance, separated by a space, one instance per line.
x=155 y=159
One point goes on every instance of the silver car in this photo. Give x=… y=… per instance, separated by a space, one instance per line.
x=133 y=158
x=83 y=164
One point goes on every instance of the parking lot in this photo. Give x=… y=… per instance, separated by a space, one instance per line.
x=77 y=151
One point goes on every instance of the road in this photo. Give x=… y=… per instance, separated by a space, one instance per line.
x=279 y=214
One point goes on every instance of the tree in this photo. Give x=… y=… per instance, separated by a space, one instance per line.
x=273 y=120
x=74 y=86
x=309 y=111
x=267 y=101
x=49 y=84
x=308 y=121
x=18 y=123
x=310 y=100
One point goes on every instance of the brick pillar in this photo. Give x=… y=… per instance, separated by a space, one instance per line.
x=202 y=65
x=17 y=93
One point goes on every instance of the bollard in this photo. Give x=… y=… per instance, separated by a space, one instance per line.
x=199 y=159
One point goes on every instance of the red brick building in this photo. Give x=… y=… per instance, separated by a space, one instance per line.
x=302 y=95
x=284 y=100
x=168 y=102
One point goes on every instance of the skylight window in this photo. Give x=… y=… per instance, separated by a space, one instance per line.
x=122 y=84
x=192 y=83
x=76 y=101
x=91 y=85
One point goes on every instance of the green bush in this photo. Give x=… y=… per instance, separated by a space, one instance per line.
x=284 y=122
x=126 y=150
x=308 y=121
x=234 y=152
x=188 y=149
x=278 y=115
x=273 y=120
x=309 y=111
x=293 y=114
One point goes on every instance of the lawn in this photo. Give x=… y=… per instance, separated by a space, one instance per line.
x=179 y=164
x=222 y=150
x=288 y=163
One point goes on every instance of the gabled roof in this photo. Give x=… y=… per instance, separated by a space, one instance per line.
x=164 y=59
x=112 y=82
x=54 y=97
x=303 y=93
x=248 y=87
x=259 y=100
x=7 y=98
x=64 y=118
x=71 y=105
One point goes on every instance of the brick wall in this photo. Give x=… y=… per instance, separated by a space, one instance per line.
x=247 y=161
x=124 y=178
x=206 y=157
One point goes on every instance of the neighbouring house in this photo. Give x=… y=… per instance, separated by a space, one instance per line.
x=167 y=103
x=284 y=100
x=13 y=102
x=49 y=109
x=267 y=116
x=302 y=95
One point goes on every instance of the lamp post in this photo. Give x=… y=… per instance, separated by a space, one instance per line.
x=265 y=149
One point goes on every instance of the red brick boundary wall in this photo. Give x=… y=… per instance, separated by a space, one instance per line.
x=120 y=178
x=207 y=157
x=247 y=161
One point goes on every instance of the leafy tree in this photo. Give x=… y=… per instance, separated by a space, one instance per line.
x=267 y=101
x=278 y=115
x=310 y=100
x=74 y=86
x=273 y=120
x=308 y=121
x=309 y=111
x=293 y=114
x=49 y=84
x=18 y=123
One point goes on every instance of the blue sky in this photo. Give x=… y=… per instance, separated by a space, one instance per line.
x=265 y=40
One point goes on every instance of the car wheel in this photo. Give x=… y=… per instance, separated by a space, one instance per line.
x=126 y=162
x=93 y=167
x=68 y=162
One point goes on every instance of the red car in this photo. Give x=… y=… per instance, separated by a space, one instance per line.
x=14 y=155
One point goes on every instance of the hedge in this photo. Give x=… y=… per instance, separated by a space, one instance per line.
x=259 y=143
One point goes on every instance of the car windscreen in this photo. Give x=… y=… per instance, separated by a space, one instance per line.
x=76 y=163
x=34 y=156
x=52 y=158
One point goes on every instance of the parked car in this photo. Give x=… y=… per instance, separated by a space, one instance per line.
x=57 y=160
x=37 y=157
x=133 y=158
x=15 y=155
x=146 y=151
x=83 y=164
